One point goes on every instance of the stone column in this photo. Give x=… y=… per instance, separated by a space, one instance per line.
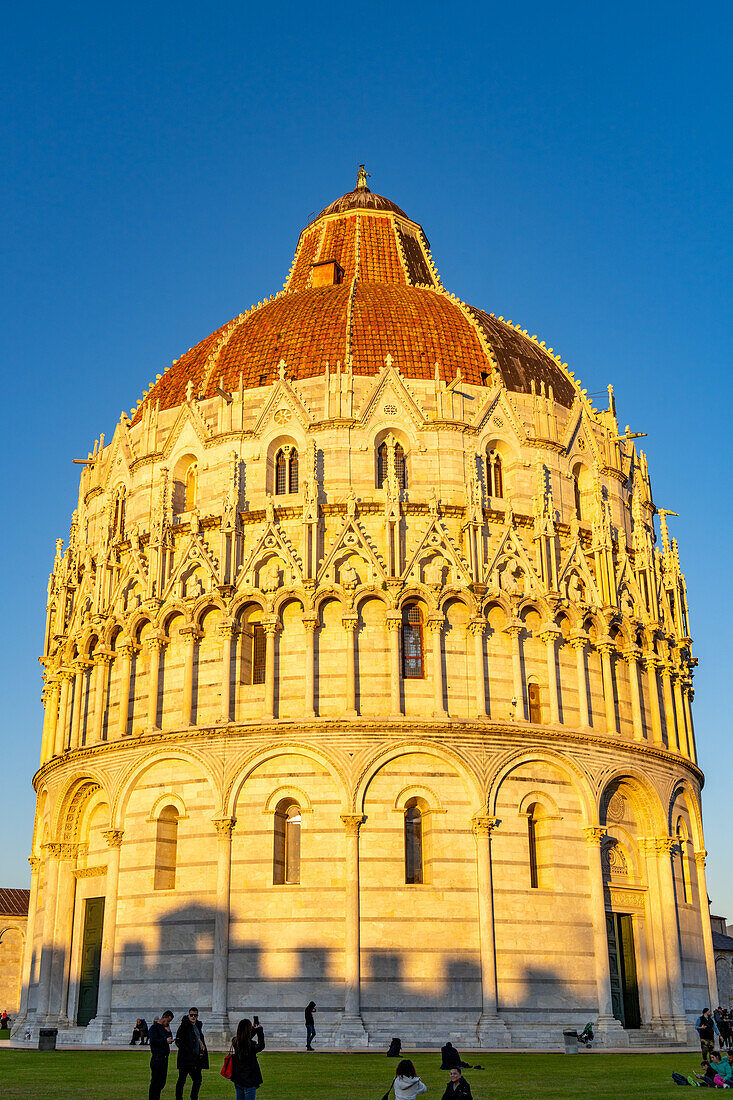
x=191 y=635
x=514 y=629
x=672 y=740
x=219 y=1021
x=125 y=656
x=226 y=630
x=663 y=850
x=594 y=835
x=19 y=1021
x=651 y=662
x=52 y=853
x=51 y=718
x=680 y=713
x=270 y=629
x=631 y=656
x=103 y=1020
x=62 y=934
x=549 y=635
x=351 y=1028
x=63 y=721
x=477 y=627
x=350 y=623
x=707 y=932
x=689 y=695
x=435 y=626
x=605 y=647
x=154 y=645
x=578 y=642
x=659 y=988
x=490 y=1030
x=310 y=625
x=102 y=661
x=394 y=622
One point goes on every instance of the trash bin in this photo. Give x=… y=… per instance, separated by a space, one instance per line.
x=47 y=1038
x=570 y=1038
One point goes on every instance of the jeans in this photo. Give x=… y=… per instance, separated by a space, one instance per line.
x=310 y=1034
x=245 y=1094
x=195 y=1075
x=158 y=1074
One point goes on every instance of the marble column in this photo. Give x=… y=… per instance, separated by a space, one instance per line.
x=514 y=629
x=351 y=1028
x=549 y=634
x=394 y=622
x=154 y=645
x=102 y=1022
x=435 y=626
x=477 y=627
x=651 y=662
x=226 y=630
x=27 y=972
x=605 y=647
x=62 y=725
x=79 y=676
x=124 y=655
x=490 y=1030
x=219 y=1021
x=102 y=661
x=631 y=656
x=707 y=932
x=669 y=717
x=350 y=623
x=62 y=934
x=191 y=635
x=270 y=629
x=689 y=695
x=578 y=641
x=52 y=854
x=594 y=835
x=310 y=625
x=50 y=720
x=681 y=717
x=663 y=847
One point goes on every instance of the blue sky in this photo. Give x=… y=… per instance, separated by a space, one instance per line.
x=571 y=166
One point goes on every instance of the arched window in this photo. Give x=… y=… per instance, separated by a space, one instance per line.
x=494 y=474
x=413 y=663
x=383 y=464
x=535 y=705
x=539 y=843
x=166 y=846
x=286 y=851
x=413 y=843
x=286 y=471
x=259 y=651
x=192 y=478
x=684 y=861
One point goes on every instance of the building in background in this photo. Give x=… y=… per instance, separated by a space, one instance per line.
x=13 y=922
x=368 y=680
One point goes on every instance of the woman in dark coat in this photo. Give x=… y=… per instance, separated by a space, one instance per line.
x=246 y=1074
x=310 y=1025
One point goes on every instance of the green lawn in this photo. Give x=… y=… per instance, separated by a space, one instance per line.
x=118 y=1075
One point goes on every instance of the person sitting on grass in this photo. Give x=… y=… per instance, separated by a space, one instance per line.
x=722 y=1069
x=707 y=1076
x=452 y=1058
x=457 y=1087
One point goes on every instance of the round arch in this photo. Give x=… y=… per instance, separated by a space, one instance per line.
x=426 y=748
x=243 y=768
x=648 y=799
x=692 y=804
x=118 y=804
x=579 y=778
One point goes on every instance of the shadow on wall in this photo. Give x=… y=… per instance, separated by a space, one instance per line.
x=276 y=982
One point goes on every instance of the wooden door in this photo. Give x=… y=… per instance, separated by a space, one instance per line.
x=91 y=954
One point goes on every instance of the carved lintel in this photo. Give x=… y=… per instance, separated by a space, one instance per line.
x=90 y=872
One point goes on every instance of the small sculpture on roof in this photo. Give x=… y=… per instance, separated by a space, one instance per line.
x=361 y=179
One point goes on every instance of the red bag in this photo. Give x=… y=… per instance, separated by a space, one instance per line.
x=228 y=1068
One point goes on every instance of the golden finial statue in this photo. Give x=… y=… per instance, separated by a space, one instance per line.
x=361 y=179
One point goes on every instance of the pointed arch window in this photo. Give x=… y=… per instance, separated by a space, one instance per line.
x=495 y=474
x=166 y=849
x=286 y=850
x=413 y=655
x=383 y=464
x=286 y=471
x=259 y=651
x=413 y=843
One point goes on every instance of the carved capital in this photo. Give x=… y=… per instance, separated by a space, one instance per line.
x=350 y=622
x=579 y=639
x=484 y=825
x=606 y=646
x=477 y=627
x=594 y=835
x=435 y=625
x=514 y=628
x=651 y=661
x=270 y=626
x=227 y=629
x=53 y=851
x=394 y=622
x=35 y=864
x=700 y=857
x=191 y=633
x=68 y=851
x=352 y=823
x=310 y=624
x=224 y=827
x=156 y=641
x=113 y=837
x=631 y=656
x=665 y=845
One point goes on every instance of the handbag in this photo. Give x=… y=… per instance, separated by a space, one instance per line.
x=386 y=1095
x=228 y=1068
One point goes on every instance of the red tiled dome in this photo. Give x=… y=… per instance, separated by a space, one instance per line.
x=388 y=301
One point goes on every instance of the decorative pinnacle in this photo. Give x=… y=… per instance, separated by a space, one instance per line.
x=361 y=179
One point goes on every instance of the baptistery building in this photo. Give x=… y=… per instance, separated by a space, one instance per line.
x=368 y=681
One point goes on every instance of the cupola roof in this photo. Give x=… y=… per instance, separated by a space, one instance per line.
x=363 y=286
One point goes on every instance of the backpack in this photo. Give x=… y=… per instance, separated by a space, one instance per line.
x=679 y=1079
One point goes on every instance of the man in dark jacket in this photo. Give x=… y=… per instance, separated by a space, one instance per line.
x=458 y=1087
x=160 y=1039
x=192 y=1053
x=451 y=1058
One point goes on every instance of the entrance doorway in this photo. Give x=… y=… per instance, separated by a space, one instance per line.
x=91 y=954
x=622 y=965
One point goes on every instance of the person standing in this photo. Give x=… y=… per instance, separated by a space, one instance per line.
x=705 y=1027
x=192 y=1053
x=310 y=1026
x=407 y=1084
x=457 y=1087
x=246 y=1073
x=160 y=1039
